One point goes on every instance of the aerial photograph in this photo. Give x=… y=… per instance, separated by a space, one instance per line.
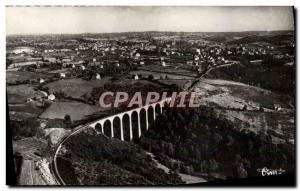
x=150 y=95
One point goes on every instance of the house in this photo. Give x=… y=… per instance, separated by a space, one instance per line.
x=136 y=77
x=98 y=77
x=137 y=56
x=62 y=75
x=51 y=97
x=82 y=67
x=42 y=80
x=277 y=107
x=163 y=64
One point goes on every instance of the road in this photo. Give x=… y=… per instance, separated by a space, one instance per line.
x=202 y=74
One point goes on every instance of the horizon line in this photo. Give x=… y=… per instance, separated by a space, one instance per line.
x=39 y=34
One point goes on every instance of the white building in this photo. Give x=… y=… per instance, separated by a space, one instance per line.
x=137 y=55
x=98 y=77
x=136 y=77
x=42 y=80
x=51 y=97
x=62 y=75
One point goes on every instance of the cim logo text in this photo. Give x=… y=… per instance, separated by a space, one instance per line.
x=269 y=172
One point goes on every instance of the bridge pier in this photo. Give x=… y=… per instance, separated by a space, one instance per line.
x=130 y=128
x=121 y=128
x=139 y=124
x=147 y=124
x=112 y=128
x=102 y=127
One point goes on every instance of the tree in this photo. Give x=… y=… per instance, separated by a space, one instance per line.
x=68 y=120
x=150 y=77
x=241 y=172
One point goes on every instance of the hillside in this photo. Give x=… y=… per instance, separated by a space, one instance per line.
x=271 y=74
x=273 y=39
x=99 y=160
x=204 y=142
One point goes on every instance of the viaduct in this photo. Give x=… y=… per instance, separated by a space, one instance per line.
x=129 y=125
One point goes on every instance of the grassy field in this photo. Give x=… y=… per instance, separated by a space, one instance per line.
x=14 y=76
x=75 y=87
x=76 y=110
x=23 y=111
x=159 y=75
x=29 y=146
x=180 y=83
x=235 y=95
x=230 y=98
x=125 y=82
x=169 y=69
x=20 y=93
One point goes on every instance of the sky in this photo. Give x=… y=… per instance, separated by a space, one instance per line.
x=73 y=20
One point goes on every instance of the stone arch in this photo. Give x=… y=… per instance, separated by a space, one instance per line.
x=135 y=125
x=163 y=105
x=126 y=121
x=98 y=128
x=158 y=110
x=117 y=127
x=150 y=112
x=143 y=121
x=107 y=126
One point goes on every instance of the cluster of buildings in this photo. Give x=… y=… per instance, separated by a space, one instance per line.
x=89 y=52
